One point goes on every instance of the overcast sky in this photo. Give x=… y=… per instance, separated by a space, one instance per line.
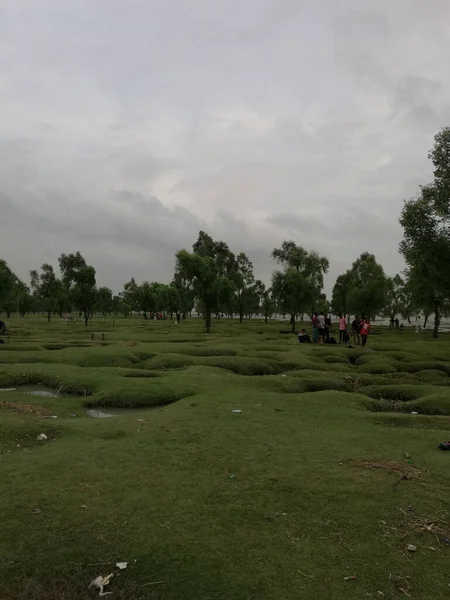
x=128 y=125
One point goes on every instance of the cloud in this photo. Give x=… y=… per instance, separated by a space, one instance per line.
x=128 y=126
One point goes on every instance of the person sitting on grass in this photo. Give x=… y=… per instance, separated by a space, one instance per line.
x=303 y=337
x=364 y=330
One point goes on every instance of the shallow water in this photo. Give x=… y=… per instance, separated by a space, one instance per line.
x=106 y=412
x=34 y=390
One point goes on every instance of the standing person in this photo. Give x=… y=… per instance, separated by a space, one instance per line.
x=356 y=325
x=327 y=328
x=315 y=328
x=342 y=327
x=364 y=330
x=321 y=320
x=397 y=323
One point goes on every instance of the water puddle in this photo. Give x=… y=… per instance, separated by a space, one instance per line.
x=106 y=412
x=34 y=390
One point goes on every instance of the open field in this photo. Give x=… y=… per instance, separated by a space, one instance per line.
x=299 y=496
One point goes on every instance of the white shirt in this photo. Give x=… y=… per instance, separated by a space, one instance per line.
x=321 y=320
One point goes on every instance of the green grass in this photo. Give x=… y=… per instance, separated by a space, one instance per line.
x=314 y=455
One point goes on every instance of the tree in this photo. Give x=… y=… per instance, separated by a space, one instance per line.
x=367 y=294
x=340 y=293
x=143 y=298
x=185 y=292
x=7 y=281
x=395 y=296
x=209 y=269
x=243 y=279
x=45 y=288
x=426 y=235
x=104 y=302
x=298 y=287
x=268 y=304
x=79 y=280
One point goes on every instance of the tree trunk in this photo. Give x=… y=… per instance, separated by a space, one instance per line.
x=425 y=320
x=293 y=323
x=208 y=320
x=48 y=315
x=437 y=320
x=265 y=318
x=409 y=320
x=241 y=317
x=86 y=318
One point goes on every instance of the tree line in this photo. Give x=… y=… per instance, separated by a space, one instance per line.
x=213 y=280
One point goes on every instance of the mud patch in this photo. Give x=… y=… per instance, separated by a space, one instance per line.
x=386 y=465
x=27 y=409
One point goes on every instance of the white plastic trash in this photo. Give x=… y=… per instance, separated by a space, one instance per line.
x=237 y=411
x=42 y=437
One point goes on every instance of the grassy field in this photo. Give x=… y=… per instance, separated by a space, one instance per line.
x=315 y=490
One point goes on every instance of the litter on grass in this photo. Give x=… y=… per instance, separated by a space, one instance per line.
x=122 y=565
x=100 y=582
x=42 y=437
x=237 y=411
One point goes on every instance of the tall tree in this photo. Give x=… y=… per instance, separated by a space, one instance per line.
x=367 y=295
x=7 y=281
x=426 y=234
x=209 y=269
x=340 y=293
x=143 y=298
x=243 y=280
x=104 y=301
x=79 y=280
x=395 y=296
x=44 y=286
x=298 y=287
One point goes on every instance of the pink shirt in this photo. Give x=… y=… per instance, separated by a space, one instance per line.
x=342 y=324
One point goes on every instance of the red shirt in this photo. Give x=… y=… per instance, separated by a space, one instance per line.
x=365 y=326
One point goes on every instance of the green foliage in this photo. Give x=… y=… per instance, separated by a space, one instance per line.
x=341 y=290
x=367 y=295
x=104 y=301
x=211 y=270
x=79 y=281
x=426 y=239
x=45 y=288
x=298 y=287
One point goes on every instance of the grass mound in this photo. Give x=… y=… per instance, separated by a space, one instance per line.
x=243 y=366
x=396 y=393
x=169 y=361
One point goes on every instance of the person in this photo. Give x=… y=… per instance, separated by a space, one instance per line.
x=364 y=330
x=315 y=328
x=401 y=326
x=327 y=328
x=303 y=337
x=321 y=320
x=391 y=323
x=342 y=327
x=397 y=323
x=356 y=324
x=178 y=317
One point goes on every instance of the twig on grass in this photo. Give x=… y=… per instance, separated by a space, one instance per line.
x=153 y=583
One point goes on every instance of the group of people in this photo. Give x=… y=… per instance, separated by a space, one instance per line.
x=321 y=329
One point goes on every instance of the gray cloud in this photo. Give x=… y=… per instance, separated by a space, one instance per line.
x=128 y=126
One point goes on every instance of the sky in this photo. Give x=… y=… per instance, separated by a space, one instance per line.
x=126 y=126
